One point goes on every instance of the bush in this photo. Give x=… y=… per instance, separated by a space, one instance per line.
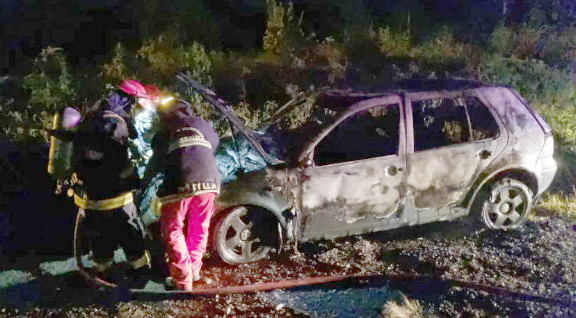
x=51 y=87
x=275 y=27
x=51 y=83
x=301 y=114
x=526 y=44
x=328 y=56
x=159 y=61
x=283 y=34
x=558 y=48
x=123 y=65
x=502 y=40
x=187 y=20
x=164 y=58
x=550 y=12
x=440 y=56
x=396 y=43
x=533 y=78
x=254 y=117
x=441 y=48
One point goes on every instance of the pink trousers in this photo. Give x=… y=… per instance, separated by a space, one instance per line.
x=185 y=226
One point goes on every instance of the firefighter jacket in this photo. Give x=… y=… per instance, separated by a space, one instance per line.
x=184 y=150
x=101 y=157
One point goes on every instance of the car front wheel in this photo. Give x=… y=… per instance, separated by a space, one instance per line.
x=506 y=205
x=245 y=235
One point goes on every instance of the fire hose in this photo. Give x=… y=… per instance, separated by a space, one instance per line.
x=201 y=292
x=306 y=281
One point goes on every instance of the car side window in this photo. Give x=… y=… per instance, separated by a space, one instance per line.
x=367 y=134
x=484 y=125
x=439 y=122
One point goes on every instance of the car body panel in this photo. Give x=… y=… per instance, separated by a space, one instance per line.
x=440 y=177
x=260 y=188
x=353 y=197
x=526 y=134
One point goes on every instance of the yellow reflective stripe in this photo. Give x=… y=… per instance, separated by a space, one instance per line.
x=104 y=205
x=187 y=143
x=156 y=206
x=145 y=260
x=101 y=267
x=178 y=197
x=52 y=151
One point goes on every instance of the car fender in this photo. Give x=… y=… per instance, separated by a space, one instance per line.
x=521 y=172
x=255 y=189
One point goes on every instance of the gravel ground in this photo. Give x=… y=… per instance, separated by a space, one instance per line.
x=537 y=260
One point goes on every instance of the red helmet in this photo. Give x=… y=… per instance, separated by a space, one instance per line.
x=153 y=92
x=133 y=88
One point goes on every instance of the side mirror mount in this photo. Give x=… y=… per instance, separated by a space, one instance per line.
x=308 y=162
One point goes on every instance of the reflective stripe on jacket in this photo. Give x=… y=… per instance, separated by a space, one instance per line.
x=104 y=204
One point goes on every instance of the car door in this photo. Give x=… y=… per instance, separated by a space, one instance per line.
x=352 y=180
x=452 y=137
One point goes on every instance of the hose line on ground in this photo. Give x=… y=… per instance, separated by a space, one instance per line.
x=290 y=283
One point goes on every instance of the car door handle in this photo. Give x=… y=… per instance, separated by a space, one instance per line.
x=484 y=154
x=392 y=170
x=351 y=173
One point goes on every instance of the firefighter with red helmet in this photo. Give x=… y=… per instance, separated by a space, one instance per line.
x=184 y=151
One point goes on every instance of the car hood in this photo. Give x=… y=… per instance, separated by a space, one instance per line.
x=250 y=150
x=246 y=151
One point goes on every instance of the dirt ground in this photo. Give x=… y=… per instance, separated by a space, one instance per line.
x=530 y=272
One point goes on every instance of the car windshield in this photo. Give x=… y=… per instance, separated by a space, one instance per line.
x=246 y=149
x=285 y=141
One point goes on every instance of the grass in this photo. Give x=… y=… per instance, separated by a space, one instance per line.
x=408 y=309
x=556 y=204
x=560 y=199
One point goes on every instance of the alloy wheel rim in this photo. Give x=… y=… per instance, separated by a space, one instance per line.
x=507 y=208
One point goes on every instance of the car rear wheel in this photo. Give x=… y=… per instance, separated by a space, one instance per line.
x=245 y=234
x=506 y=205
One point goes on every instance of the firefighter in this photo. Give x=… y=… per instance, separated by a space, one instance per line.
x=184 y=150
x=105 y=197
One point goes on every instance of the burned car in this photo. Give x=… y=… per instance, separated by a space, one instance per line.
x=418 y=152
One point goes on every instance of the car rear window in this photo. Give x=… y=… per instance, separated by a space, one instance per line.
x=483 y=125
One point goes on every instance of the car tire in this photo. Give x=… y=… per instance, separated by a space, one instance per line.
x=506 y=204
x=245 y=234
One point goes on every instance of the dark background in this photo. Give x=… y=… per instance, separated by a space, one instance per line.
x=87 y=30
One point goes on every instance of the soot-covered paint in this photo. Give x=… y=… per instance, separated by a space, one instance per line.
x=351 y=198
x=361 y=196
x=440 y=177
